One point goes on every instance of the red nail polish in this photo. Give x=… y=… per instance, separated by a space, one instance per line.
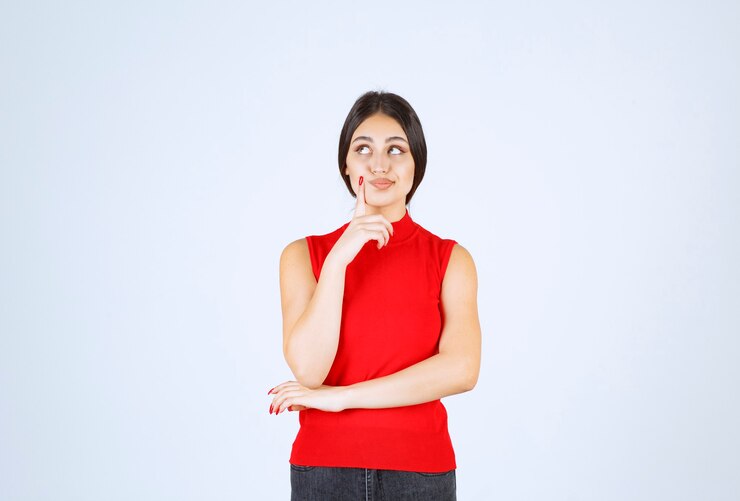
x=270 y=408
x=270 y=391
x=360 y=180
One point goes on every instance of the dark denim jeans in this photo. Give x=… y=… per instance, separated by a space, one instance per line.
x=323 y=483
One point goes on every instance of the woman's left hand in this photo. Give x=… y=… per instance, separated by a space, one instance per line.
x=293 y=396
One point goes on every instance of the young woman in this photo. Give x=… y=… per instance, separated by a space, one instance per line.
x=380 y=321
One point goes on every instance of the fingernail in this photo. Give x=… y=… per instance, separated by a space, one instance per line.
x=270 y=391
x=360 y=180
x=270 y=408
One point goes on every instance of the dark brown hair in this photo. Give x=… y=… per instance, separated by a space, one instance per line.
x=400 y=110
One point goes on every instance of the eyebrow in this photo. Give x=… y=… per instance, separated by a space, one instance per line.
x=387 y=140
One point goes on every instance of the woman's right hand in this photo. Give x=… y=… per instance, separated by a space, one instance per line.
x=362 y=228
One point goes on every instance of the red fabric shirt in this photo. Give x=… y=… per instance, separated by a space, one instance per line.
x=391 y=319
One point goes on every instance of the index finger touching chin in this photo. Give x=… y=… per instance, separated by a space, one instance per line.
x=360 y=204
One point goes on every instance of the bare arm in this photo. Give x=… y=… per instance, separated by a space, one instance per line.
x=312 y=311
x=453 y=370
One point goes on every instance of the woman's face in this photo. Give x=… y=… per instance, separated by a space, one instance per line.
x=379 y=151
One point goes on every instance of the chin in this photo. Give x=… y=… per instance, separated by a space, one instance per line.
x=381 y=201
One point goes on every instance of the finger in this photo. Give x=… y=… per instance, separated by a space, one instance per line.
x=387 y=225
x=384 y=237
x=281 y=399
x=379 y=232
x=360 y=205
x=379 y=235
x=284 y=407
x=280 y=387
x=292 y=406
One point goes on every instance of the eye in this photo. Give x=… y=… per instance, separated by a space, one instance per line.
x=398 y=150
x=362 y=149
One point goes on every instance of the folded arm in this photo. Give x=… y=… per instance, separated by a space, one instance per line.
x=453 y=370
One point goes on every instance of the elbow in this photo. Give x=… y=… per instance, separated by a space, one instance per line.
x=470 y=381
x=304 y=374
x=310 y=381
x=469 y=376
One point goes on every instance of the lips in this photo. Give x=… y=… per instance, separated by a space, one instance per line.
x=381 y=183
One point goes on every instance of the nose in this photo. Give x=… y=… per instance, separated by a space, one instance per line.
x=379 y=164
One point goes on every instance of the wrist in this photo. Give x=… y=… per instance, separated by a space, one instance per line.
x=333 y=262
x=346 y=394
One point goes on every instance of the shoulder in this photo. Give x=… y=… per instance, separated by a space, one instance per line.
x=461 y=266
x=461 y=254
x=295 y=251
x=296 y=246
x=434 y=239
x=302 y=246
x=459 y=257
x=325 y=240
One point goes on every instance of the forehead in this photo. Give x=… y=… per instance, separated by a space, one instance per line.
x=379 y=125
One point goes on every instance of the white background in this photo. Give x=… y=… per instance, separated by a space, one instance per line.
x=157 y=157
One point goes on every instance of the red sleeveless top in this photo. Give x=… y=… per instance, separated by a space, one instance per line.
x=391 y=319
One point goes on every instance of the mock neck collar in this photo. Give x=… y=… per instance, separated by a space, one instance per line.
x=403 y=229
